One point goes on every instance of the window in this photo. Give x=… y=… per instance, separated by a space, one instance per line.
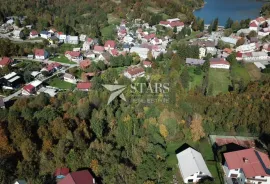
x=190 y=180
x=262 y=176
x=236 y=169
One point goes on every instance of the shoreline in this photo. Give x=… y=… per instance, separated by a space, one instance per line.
x=201 y=7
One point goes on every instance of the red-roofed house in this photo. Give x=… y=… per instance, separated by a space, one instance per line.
x=85 y=63
x=75 y=56
x=41 y=54
x=84 y=86
x=87 y=44
x=171 y=23
x=78 y=177
x=52 y=67
x=239 y=56
x=5 y=61
x=219 y=63
x=134 y=72
x=28 y=89
x=98 y=49
x=114 y=52
x=33 y=34
x=61 y=172
x=156 y=41
x=110 y=44
x=253 y=26
x=147 y=64
x=247 y=166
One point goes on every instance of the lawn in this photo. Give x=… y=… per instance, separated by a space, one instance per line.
x=219 y=81
x=67 y=47
x=239 y=72
x=253 y=71
x=58 y=83
x=112 y=19
x=196 y=79
x=62 y=59
x=205 y=149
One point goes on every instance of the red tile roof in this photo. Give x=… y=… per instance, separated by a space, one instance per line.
x=260 y=19
x=147 y=63
x=135 y=71
x=99 y=48
x=73 y=53
x=84 y=85
x=253 y=24
x=150 y=36
x=239 y=54
x=114 y=52
x=61 y=171
x=251 y=161
x=85 y=63
x=51 y=66
x=29 y=88
x=6 y=61
x=78 y=177
x=164 y=22
x=34 y=33
x=215 y=61
x=176 y=24
x=110 y=43
x=39 y=52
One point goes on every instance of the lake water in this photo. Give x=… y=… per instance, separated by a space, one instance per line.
x=223 y=9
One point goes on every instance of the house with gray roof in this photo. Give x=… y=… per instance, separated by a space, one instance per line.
x=192 y=166
x=192 y=61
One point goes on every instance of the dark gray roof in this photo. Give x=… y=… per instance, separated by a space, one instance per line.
x=192 y=61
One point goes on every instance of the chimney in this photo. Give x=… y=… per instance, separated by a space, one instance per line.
x=245 y=160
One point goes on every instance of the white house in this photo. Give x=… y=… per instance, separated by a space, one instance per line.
x=219 y=63
x=202 y=52
x=255 y=56
x=192 y=166
x=247 y=166
x=72 y=40
x=75 y=56
x=45 y=34
x=33 y=34
x=17 y=34
x=87 y=44
x=69 y=78
x=134 y=72
x=31 y=88
x=82 y=37
x=41 y=54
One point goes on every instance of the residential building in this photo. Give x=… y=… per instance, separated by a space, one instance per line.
x=110 y=44
x=142 y=52
x=211 y=50
x=253 y=26
x=11 y=80
x=259 y=65
x=82 y=38
x=5 y=61
x=191 y=61
x=85 y=64
x=219 y=63
x=45 y=34
x=90 y=54
x=147 y=64
x=106 y=56
x=41 y=54
x=60 y=173
x=33 y=34
x=192 y=166
x=134 y=72
x=84 y=86
x=72 y=40
x=114 y=52
x=75 y=56
x=255 y=56
x=78 y=177
x=247 y=166
x=98 y=49
x=52 y=31
x=51 y=68
x=69 y=78
x=128 y=39
x=172 y=23
x=229 y=40
x=31 y=88
x=202 y=52
x=61 y=36
x=246 y=48
x=87 y=44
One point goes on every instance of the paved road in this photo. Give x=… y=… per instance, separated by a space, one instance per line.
x=6 y=36
x=18 y=93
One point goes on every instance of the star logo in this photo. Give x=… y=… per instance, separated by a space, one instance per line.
x=117 y=91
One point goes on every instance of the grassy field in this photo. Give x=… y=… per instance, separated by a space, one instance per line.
x=220 y=80
x=68 y=47
x=205 y=149
x=62 y=59
x=197 y=79
x=56 y=82
x=253 y=71
x=239 y=72
x=108 y=32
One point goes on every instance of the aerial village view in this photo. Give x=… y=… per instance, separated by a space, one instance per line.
x=134 y=92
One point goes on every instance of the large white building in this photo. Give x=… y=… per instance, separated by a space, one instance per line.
x=133 y=73
x=247 y=166
x=246 y=48
x=142 y=52
x=192 y=166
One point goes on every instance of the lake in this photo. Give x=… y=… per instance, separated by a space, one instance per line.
x=223 y=9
